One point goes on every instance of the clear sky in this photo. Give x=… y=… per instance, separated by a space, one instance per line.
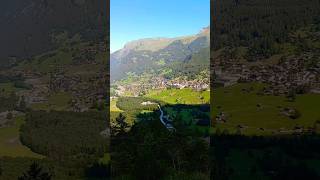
x=137 y=19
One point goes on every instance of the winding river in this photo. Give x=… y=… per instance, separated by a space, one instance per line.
x=166 y=123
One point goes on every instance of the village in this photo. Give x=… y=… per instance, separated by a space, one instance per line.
x=156 y=83
x=287 y=75
x=84 y=89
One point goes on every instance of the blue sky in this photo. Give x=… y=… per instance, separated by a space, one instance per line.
x=137 y=19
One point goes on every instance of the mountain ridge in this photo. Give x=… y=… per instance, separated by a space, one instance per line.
x=149 y=41
x=157 y=53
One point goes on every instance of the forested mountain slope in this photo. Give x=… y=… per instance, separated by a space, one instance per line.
x=167 y=56
x=27 y=26
x=261 y=26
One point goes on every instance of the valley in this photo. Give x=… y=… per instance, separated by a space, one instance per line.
x=160 y=97
x=174 y=71
x=53 y=88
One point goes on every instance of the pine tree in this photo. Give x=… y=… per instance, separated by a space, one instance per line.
x=122 y=125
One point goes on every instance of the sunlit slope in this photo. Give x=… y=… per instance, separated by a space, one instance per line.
x=258 y=114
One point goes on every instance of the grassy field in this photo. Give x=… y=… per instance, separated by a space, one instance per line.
x=7 y=88
x=188 y=109
x=10 y=144
x=254 y=111
x=47 y=61
x=58 y=101
x=180 y=96
x=113 y=106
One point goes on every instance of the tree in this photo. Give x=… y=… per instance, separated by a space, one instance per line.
x=98 y=170
x=35 y=172
x=122 y=125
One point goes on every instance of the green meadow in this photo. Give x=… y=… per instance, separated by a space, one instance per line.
x=58 y=101
x=10 y=144
x=254 y=111
x=180 y=96
x=181 y=105
x=7 y=88
x=113 y=106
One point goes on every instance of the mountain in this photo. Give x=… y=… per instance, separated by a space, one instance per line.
x=155 y=55
x=27 y=26
x=54 y=46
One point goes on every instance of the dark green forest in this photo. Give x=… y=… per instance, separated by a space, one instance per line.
x=73 y=144
x=60 y=135
x=150 y=151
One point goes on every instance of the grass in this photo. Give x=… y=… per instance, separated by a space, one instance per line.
x=180 y=96
x=7 y=88
x=58 y=101
x=165 y=97
x=241 y=109
x=183 y=96
x=113 y=106
x=10 y=144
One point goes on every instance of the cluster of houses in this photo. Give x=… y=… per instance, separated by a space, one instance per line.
x=85 y=91
x=282 y=77
x=179 y=83
x=139 y=88
x=88 y=54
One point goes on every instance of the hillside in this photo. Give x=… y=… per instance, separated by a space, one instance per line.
x=27 y=26
x=166 y=56
x=265 y=96
x=53 y=82
x=266 y=46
